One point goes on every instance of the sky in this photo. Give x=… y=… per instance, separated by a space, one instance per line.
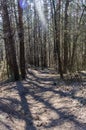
x=39 y=7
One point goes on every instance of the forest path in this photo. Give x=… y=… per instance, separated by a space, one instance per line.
x=42 y=102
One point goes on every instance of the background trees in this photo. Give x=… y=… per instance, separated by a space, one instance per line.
x=43 y=34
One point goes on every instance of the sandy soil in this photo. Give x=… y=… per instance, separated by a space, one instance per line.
x=43 y=102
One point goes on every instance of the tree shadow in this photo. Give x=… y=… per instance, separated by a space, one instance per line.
x=9 y=106
x=28 y=116
x=70 y=94
x=41 y=78
x=7 y=127
x=63 y=115
x=33 y=90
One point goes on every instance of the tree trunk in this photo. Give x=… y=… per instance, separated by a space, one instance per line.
x=9 y=43
x=66 y=37
x=21 y=40
x=57 y=37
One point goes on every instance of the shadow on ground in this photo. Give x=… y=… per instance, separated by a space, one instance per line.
x=37 y=83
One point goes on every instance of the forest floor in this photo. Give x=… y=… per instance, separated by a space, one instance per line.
x=43 y=102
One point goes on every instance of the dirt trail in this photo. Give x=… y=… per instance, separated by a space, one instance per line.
x=42 y=102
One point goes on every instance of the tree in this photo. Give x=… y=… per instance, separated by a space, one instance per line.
x=66 y=36
x=9 y=42
x=21 y=40
x=57 y=36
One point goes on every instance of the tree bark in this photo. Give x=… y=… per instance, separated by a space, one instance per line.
x=66 y=37
x=9 y=42
x=21 y=40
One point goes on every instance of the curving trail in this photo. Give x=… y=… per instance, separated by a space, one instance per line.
x=42 y=102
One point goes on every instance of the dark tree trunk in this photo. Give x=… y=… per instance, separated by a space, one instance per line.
x=66 y=37
x=9 y=42
x=57 y=37
x=21 y=40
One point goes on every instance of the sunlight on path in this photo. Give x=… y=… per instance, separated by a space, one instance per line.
x=36 y=103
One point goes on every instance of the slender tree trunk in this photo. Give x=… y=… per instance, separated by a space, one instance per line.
x=21 y=40
x=66 y=37
x=57 y=37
